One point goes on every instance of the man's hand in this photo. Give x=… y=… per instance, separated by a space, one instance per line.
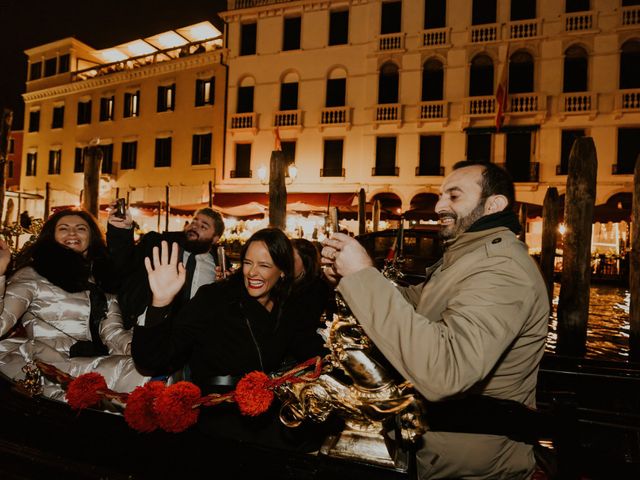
x=343 y=255
x=5 y=256
x=118 y=222
x=166 y=275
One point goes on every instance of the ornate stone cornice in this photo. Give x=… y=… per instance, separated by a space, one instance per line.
x=116 y=78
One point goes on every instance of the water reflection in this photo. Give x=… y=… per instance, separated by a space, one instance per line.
x=608 y=326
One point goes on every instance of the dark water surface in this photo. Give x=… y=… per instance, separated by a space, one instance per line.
x=608 y=326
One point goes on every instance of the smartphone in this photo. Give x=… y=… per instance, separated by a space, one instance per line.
x=121 y=207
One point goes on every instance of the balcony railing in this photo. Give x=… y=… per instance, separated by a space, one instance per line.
x=241 y=121
x=629 y=100
x=391 y=41
x=332 y=172
x=630 y=16
x=524 y=29
x=429 y=170
x=335 y=116
x=484 y=33
x=435 y=37
x=287 y=118
x=526 y=103
x=579 y=21
x=481 y=106
x=434 y=110
x=579 y=102
x=388 y=113
x=241 y=174
x=380 y=171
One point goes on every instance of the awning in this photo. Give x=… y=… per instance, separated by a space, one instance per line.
x=257 y=203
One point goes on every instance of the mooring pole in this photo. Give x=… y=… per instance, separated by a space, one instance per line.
x=634 y=268
x=573 y=306
x=549 y=237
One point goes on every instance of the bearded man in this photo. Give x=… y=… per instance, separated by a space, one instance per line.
x=197 y=247
x=473 y=334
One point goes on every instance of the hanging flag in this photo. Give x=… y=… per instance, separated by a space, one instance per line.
x=502 y=90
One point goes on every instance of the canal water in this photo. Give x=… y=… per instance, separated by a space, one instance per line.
x=608 y=326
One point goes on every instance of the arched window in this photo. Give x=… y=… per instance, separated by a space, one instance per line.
x=481 y=76
x=289 y=92
x=432 y=80
x=630 y=64
x=245 y=95
x=576 y=66
x=388 y=83
x=336 y=88
x=521 y=72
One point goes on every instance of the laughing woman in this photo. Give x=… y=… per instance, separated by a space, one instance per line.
x=56 y=307
x=227 y=330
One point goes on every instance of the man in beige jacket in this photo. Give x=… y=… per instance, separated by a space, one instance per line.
x=477 y=326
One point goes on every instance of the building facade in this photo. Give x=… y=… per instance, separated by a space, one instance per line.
x=387 y=95
x=154 y=108
x=380 y=97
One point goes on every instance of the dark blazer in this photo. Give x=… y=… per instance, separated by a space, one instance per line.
x=134 y=293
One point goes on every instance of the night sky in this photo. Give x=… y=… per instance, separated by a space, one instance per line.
x=26 y=24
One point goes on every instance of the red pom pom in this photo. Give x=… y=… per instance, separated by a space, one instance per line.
x=83 y=391
x=139 y=413
x=253 y=394
x=174 y=407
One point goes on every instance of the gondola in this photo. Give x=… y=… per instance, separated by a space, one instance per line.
x=598 y=402
x=43 y=438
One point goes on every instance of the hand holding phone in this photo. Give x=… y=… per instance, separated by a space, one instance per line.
x=120 y=210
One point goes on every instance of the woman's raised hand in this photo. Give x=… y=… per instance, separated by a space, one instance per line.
x=166 y=274
x=5 y=256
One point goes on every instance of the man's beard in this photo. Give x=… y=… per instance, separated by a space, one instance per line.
x=197 y=245
x=461 y=224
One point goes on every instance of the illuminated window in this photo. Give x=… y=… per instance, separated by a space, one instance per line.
x=32 y=161
x=205 y=91
x=166 y=98
x=55 y=158
x=132 y=104
x=107 y=108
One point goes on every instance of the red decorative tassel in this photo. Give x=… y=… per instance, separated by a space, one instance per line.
x=84 y=391
x=253 y=393
x=139 y=412
x=174 y=407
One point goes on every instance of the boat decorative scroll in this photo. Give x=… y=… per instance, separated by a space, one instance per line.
x=374 y=401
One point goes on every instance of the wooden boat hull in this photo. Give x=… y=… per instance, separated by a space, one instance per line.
x=41 y=438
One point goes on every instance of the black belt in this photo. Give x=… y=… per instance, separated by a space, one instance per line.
x=223 y=380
